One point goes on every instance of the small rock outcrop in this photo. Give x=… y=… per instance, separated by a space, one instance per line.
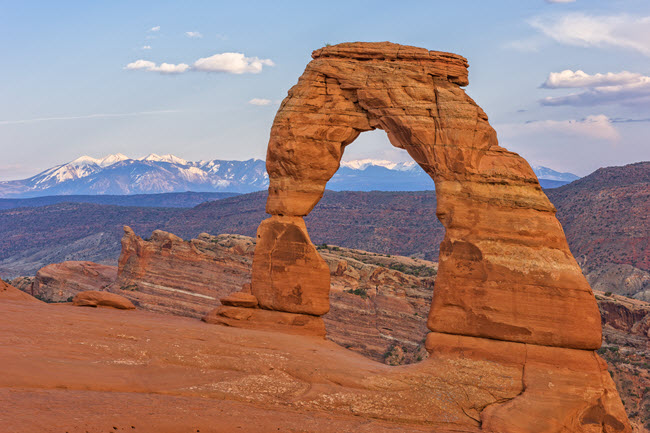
x=9 y=292
x=93 y=298
x=60 y=282
x=170 y=275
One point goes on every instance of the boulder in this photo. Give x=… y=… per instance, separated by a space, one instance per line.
x=240 y=299
x=94 y=298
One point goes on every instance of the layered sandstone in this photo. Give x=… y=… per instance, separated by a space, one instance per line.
x=60 y=282
x=506 y=271
x=170 y=275
x=508 y=289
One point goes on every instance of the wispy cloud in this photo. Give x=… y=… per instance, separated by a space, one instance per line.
x=560 y=1
x=155 y=29
x=260 y=101
x=597 y=127
x=146 y=47
x=193 y=35
x=163 y=68
x=231 y=63
x=86 y=116
x=611 y=87
x=604 y=31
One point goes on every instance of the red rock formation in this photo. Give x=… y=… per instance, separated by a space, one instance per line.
x=170 y=275
x=506 y=271
x=288 y=273
x=60 y=282
x=94 y=298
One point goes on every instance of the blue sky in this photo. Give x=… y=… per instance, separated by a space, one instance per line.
x=68 y=90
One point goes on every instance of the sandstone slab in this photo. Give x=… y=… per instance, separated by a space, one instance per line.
x=278 y=321
x=93 y=298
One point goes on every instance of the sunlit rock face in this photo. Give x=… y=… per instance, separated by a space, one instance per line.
x=506 y=272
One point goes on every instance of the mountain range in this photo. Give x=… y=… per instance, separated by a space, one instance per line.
x=120 y=175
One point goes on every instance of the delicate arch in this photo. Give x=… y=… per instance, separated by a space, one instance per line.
x=505 y=271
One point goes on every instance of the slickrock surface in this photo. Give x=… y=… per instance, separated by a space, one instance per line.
x=94 y=298
x=506 y=271
x=139 y=371
x=60 y=282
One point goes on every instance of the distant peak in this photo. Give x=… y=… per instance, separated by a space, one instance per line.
x=172 y=159
x=84 y=160
x=362 y=164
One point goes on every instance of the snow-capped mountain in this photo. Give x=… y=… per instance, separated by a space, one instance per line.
x=548 y=174
x=118 y=174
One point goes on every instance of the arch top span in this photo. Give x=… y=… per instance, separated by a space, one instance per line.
x=436 y=63
x=505 y=271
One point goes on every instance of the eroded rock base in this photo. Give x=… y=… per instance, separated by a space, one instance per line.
x=560 y=389
x=255 y=318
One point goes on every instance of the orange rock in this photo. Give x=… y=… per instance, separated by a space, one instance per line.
x=9 y=292
x=506 y=271
x=253 y=318
x=240 y=299
x=288 y=273
x=93 y=298
x=170 y=275
x=59 y=282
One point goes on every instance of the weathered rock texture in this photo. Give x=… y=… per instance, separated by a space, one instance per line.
x=95 y=298
x=60 y=282
x=110 y=370
x=170 y=275
x=506 y=271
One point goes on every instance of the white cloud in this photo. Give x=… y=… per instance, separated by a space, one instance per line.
x=163 y=68
x=260 y=101
x=233 y=63
x=560 y=1
x=146 y=47
x=615 y=31
x=155 y=29
x=597 y=127
x=611 y=87
x=193 y=34
x=580 y=79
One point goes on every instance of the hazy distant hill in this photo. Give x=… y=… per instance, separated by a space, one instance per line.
x=119 y=175
x=170 y=199
x=605 y=216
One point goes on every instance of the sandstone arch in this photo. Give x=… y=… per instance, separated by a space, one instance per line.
x=506 y=272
